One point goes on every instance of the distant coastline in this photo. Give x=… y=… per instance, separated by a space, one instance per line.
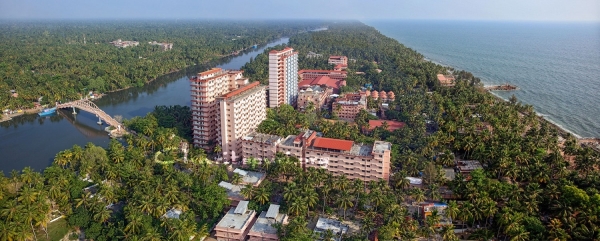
x=550 y=63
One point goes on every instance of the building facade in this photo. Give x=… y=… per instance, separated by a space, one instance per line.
x=348 y=106
x=240 y=112
x=283 y=77
x=337 y=60
x=264 y=227
x=315 y=94
x=340 y=157
x=235 y=225
x=260 y=146
x=205 y=88
x=310 y=74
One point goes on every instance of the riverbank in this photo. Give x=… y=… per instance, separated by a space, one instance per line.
x=7 y=117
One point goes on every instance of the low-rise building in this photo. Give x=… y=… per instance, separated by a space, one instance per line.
x=234 y=226
x=263 y=229
x=324 y=81
x=337 y=60
x=314 y=73
x=336 y=227
x=340 y=157
x=340 y=67
x=164 y=46
x=348 y=106
x=313 y=94
x=260 y=146
x=391 y=125
x=233 y=192
x=124 y=44
x=312 y=54
x=446 y=80
x=466 y=167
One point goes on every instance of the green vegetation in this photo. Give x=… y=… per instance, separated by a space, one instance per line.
x=51 y=59
x=528 y=189
x=535 y=185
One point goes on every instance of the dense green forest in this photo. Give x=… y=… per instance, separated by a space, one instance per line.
x=60 y=60
x=536 y=184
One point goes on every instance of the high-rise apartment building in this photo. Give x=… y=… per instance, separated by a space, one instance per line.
x=283 y=77
x=206 y=87
x=240 y=112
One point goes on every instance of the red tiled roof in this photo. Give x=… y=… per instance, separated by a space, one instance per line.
x=392 y=125
x=321 y=71
x=241 y=89
x=322 y=80
x=212 y=71
x=334 y=144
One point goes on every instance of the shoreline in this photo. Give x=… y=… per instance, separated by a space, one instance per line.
x=561 y=129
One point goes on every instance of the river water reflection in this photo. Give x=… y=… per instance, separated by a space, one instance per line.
x=33 y=141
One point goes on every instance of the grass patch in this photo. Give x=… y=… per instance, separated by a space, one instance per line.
x=56 y=231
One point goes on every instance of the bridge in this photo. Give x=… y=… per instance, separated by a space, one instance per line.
x=89 y=106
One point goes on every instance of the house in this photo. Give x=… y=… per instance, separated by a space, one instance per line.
x=263 y=229
x=234 y=226
x=337 y=60
x=391 y=125
x=446 y=80
x=336 y=227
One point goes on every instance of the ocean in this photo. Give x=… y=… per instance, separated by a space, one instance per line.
x=555 y=65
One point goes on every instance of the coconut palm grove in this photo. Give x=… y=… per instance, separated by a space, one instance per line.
x=536 y=182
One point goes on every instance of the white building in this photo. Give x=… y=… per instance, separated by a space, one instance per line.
x=283 y=77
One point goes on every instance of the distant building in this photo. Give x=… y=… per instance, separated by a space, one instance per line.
x=164 y=46
x=348 y=106
x=315 y=94
x=336 y=227
x=324 y=80
x=391 y=125
x=466 y=167
x=240 y=112
x=263 y=229
x=310 y=74
x=124 y=44
x=312 y=54
x=340 y=67
x=234 y=226
x=337 y=60
x=283 y=77
x=446 y=80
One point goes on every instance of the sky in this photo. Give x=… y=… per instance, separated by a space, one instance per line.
x=487 y=10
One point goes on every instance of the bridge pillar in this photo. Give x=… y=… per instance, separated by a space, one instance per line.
x=74 y=112
x=99 y=120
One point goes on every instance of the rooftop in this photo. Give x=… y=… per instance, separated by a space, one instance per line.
x=335 y=144
x=262 y=138
x=241 y=90
x=264 y=222
x=337 y=227
x=250 y=177
x=173 y=213
x=392 y=125
x=233 y=191
x=233 y=220
x=381 y=146
x=469 y=166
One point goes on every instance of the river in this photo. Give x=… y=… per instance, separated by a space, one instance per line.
x=33 y=141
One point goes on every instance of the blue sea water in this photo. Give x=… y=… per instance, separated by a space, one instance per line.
x=555 y=65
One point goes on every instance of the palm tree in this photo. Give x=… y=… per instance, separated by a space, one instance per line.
x=311 y=198
x=345 y=202
x=248 y=191
x=134 y=222
x=262 y=195
x=297 y=206
x=236 y=179
x=452 y=210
